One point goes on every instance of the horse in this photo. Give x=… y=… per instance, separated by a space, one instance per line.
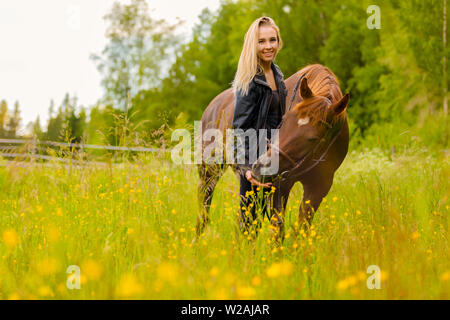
x=312 y=143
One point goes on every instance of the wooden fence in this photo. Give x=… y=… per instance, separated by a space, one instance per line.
x=44 y=151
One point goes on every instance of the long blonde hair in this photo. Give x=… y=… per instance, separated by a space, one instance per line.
x=249 y=65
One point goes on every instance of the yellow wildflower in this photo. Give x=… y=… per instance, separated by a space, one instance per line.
x=47 y=266
x=10 y=238
x=283 y=268
x=342 y=285
x=214 y=272
x=128 y=286
x=245 y=292
x=445 y=276
x=220 y=294
x=168 y=272
x=45 y=291
x=14 y=296
x=92 y=269
x=256 y=281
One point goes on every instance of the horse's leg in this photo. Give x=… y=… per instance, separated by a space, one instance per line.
x=313 y=193
x=209 y=176
x=277 y=214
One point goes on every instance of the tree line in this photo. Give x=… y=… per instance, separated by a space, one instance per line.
x=154 y=78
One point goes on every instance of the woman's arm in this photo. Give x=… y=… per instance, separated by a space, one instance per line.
x=245 y=108
x=245 y=114
x=244 y=118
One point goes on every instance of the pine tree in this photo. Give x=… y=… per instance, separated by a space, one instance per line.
x=14 y=122
x=36 y=129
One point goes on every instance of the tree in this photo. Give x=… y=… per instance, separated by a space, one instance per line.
x=14 y=122
x=36 y=129
x=3 y=117
x=55 y=126
x=137 y=51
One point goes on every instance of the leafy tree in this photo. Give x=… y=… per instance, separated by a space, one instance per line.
x=100 y=128
x=138 y=48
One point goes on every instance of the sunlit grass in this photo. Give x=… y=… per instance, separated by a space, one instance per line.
x=130 y=228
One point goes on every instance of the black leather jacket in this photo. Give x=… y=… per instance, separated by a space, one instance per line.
x=251 y=110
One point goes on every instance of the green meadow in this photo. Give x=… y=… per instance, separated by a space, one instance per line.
x=122 y=226
x=130 y=228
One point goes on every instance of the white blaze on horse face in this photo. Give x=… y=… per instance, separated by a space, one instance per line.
x=303 y=121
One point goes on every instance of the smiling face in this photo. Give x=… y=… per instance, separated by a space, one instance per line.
x=267 y=44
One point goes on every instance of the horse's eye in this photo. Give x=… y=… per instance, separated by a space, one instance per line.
x=313 y=138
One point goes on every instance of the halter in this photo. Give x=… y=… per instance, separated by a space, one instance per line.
x=295 y=90
x=334 y=133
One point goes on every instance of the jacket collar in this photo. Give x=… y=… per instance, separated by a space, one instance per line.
x=261 y=78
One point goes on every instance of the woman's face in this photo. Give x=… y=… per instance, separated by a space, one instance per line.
x=267 y=43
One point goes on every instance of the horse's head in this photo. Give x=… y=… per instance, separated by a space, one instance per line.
x=306 y=131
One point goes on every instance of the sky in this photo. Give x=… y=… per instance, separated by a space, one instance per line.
x=45 y=48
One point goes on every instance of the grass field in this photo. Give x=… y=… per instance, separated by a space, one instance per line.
x=130 y=230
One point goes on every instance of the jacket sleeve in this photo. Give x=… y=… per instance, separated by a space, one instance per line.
x=245 y=115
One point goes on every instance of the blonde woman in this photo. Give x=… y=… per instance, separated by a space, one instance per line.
x=260 y=94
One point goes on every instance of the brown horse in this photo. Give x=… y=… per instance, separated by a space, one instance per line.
x=313 y=142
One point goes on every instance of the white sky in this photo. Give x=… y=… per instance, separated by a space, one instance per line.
x=45 y=47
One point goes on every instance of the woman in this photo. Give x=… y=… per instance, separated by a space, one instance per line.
x=260 y=95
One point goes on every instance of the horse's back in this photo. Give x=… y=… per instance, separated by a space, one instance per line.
x=219 y=113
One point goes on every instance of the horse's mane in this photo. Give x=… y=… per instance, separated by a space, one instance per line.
x=323 y=83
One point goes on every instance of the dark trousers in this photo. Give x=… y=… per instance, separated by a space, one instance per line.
x=245 y=202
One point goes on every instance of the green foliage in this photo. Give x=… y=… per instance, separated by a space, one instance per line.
x=9 y=122
x=137 y=49
x=3 y=113
x=394 y=74
x=131 y=229
x=69 y=123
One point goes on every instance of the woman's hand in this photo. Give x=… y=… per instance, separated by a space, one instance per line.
x=248 y=175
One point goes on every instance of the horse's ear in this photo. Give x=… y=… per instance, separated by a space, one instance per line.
x=340 y=106
x=305 y=91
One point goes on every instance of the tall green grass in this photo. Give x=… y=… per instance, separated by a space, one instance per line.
x=130 y=228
